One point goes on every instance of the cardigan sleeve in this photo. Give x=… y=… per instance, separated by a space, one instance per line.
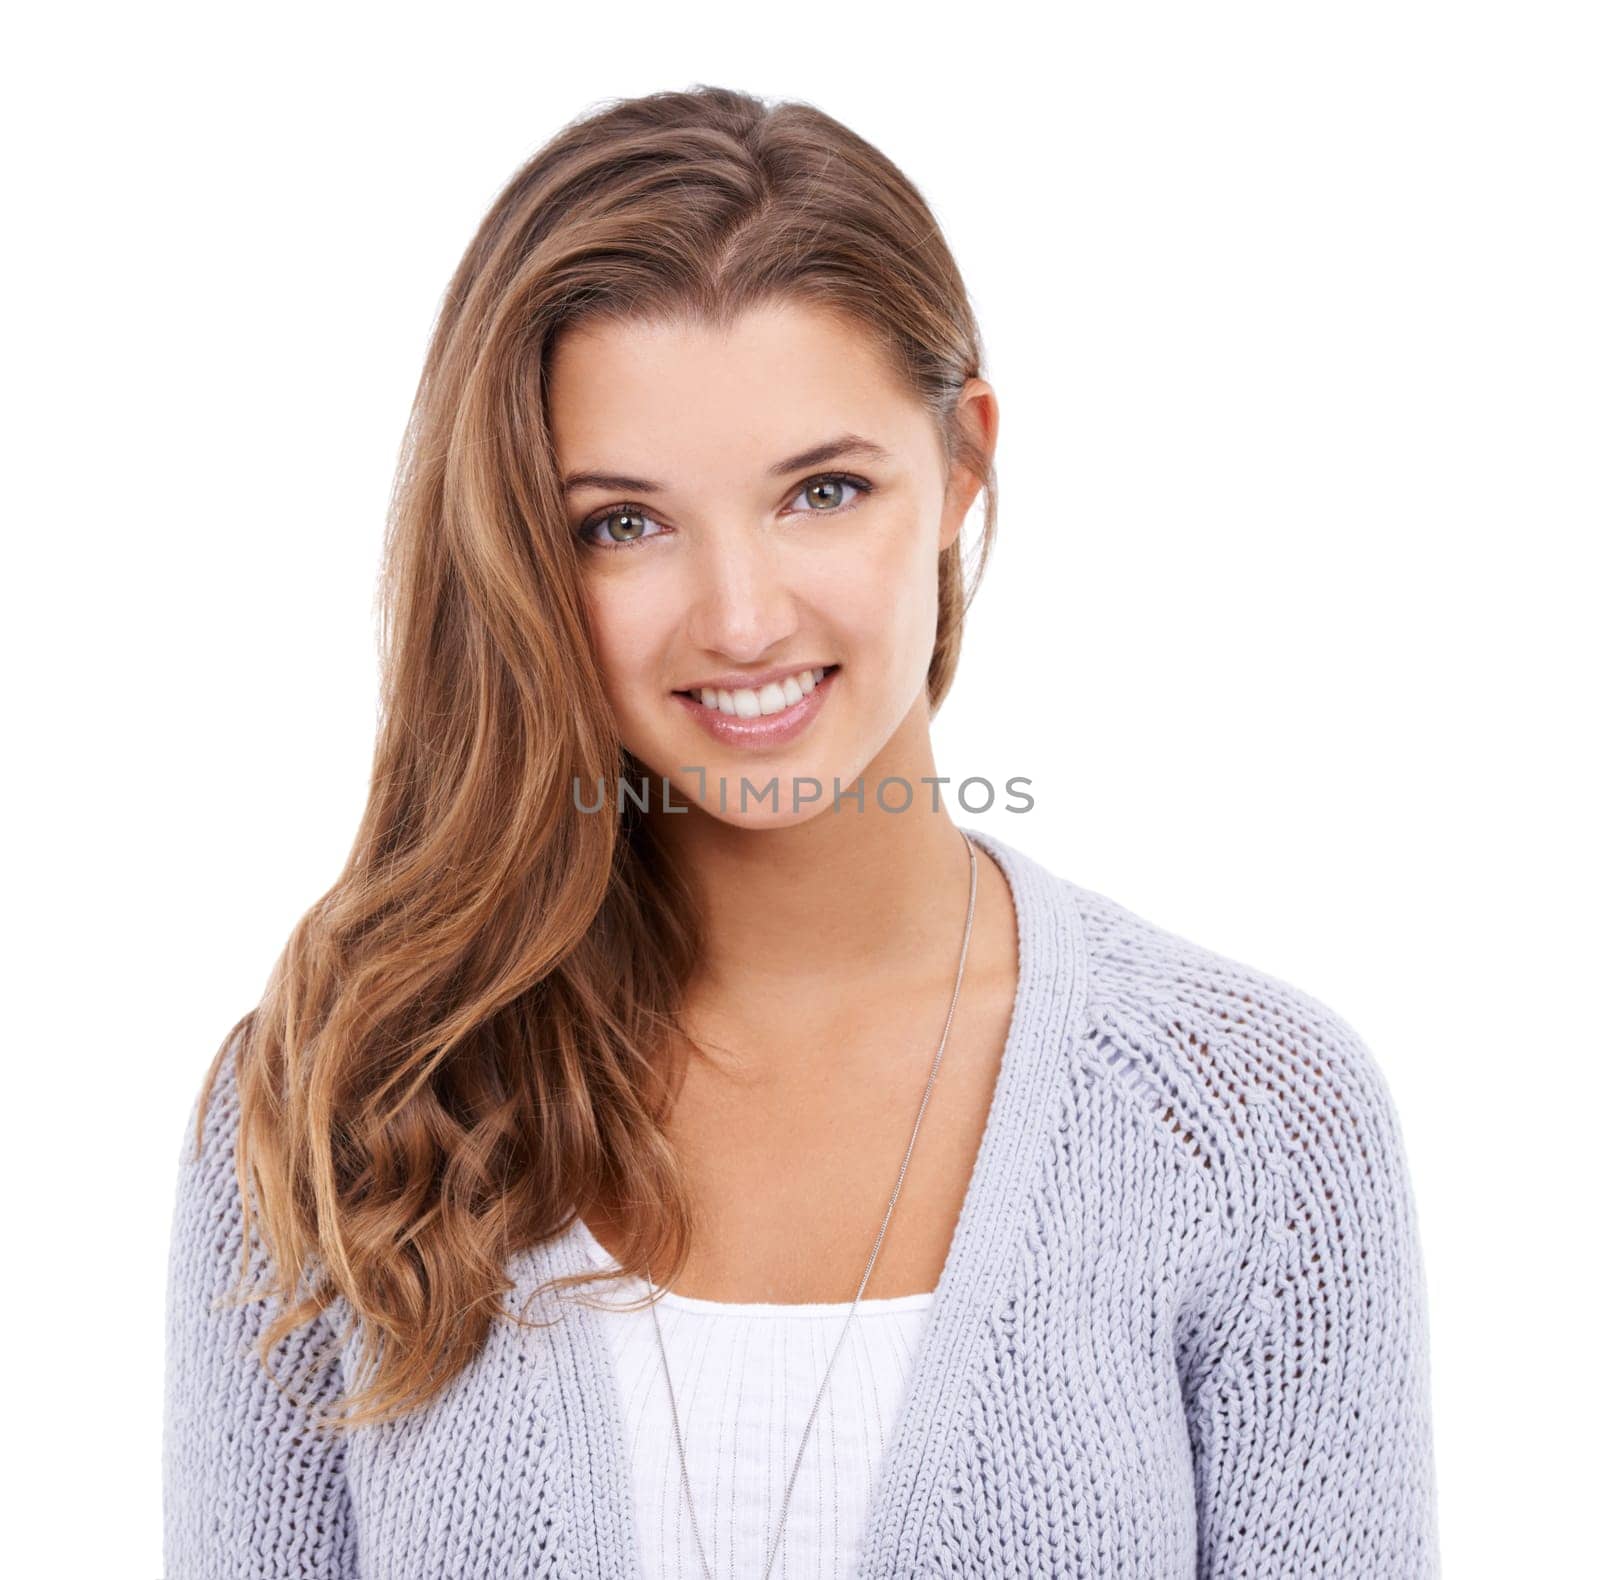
x=1309 y=1409
x=252 y=1489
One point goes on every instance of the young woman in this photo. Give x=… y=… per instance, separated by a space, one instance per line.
x=675 y=1146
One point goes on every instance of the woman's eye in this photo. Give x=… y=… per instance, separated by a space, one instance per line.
x=617 y=529
x=824 y=492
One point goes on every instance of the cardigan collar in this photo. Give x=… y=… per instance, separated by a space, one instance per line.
x=1051 y=985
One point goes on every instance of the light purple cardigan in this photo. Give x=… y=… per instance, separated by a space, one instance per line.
x=1181 y=1331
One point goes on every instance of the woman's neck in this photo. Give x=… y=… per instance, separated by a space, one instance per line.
x=849 y=897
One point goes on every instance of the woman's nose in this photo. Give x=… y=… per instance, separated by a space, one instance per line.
x=742 y=598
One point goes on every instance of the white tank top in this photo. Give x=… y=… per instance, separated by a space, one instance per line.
x=746 y=1377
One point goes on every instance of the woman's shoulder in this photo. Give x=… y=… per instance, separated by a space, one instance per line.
x=210 y=1132
x=1231 y=1059
x=207 y=1229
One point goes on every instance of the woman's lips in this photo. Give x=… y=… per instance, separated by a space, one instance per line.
x=767 y=729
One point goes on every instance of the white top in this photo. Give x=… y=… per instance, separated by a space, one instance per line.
x=746 y=1377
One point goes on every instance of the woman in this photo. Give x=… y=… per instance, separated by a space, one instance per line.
x=674 y=1145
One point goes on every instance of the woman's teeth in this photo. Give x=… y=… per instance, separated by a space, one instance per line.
x=771 y=698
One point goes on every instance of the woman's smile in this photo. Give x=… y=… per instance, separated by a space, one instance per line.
x=758 y=718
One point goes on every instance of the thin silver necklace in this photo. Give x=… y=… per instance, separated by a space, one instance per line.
x=683 y=1462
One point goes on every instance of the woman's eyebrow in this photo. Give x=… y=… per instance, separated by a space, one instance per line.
x=817 y=455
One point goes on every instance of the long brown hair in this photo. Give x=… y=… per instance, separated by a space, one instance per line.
x=464 y=1041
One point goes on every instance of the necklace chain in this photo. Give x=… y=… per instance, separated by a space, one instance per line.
x=683 y=1462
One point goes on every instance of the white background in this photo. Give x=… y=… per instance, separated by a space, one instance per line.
x=1292 y=311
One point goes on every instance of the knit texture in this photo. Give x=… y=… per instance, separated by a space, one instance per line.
x=1181 y=1330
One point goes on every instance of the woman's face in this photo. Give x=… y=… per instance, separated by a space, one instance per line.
x=752 y=507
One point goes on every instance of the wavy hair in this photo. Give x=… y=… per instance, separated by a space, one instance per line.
x=466 y=1040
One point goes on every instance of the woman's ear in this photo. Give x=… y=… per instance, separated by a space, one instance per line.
x=977 y=416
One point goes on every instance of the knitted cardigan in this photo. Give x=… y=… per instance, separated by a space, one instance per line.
x=1181 y=1329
